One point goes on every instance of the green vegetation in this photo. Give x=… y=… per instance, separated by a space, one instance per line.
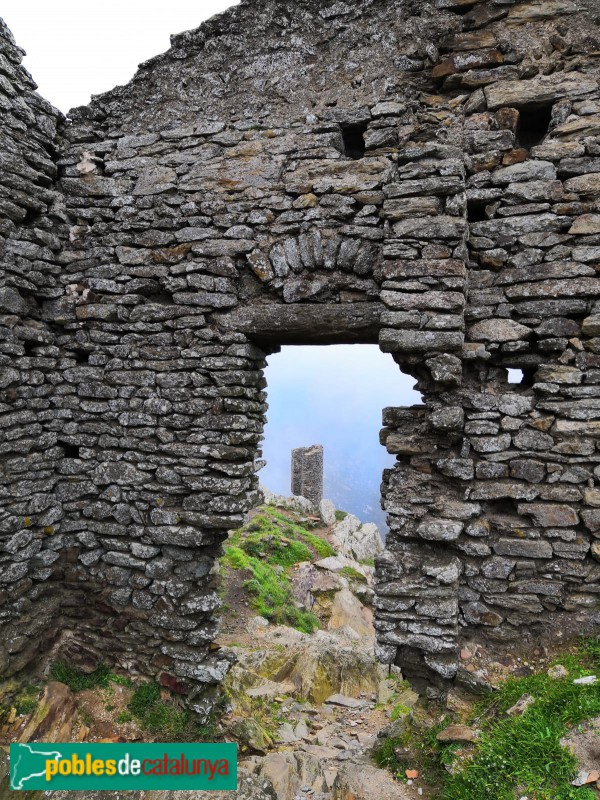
x=525 y=752
x=25 y=704
x=78 y=681
x=270 y=591
x=267 y=546
x=322 y=548
x=352 y=574
x=384 y=755
x=85 y=716
x=399 y=710
x=160 y=715
x=273 y=536
x=124 y=716
x=340 y=515
x=157 y=715
x=414 y=749
x=514 y=756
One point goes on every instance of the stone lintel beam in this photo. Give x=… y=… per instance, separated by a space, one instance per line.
x=275 y=324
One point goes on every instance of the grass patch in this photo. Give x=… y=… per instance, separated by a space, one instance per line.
x=274 y=537
x=26 y=701
x=422 y=752
x=340 y=515
x=522 y=756
x=161 y=716
x=352 y=574
x=399 y=710
x=123 y=716
x=85 y=717
x=322 y=548
x=79 y=681
x=384 y=755
x=25 y=705
x=267 y=546
x=157 y=715
x=270 y=591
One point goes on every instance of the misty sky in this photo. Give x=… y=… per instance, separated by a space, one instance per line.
x=318 y=395
x=333 y=396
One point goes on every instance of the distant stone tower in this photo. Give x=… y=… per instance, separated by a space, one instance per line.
x=307 y=472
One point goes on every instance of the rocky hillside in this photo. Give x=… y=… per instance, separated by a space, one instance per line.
x=314 y=715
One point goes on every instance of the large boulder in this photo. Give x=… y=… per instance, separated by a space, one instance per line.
x=327 y=512
x=348 y=612
x=315 y=666
x=53 y=718
x=362 y=781
x=351 y=538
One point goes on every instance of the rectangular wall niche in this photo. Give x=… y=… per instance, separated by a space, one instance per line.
x=354 y=140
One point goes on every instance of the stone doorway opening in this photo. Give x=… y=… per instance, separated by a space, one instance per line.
x=333 y=395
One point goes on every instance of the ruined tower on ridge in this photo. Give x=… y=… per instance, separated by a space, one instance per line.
x=307 y=473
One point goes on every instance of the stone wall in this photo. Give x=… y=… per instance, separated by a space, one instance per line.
x=420 y=174
x=494 y=522
x=31 y=220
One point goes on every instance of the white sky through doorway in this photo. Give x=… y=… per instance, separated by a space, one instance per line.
x=333 y=396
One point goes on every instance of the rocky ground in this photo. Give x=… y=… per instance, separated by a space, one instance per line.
x=315 y=716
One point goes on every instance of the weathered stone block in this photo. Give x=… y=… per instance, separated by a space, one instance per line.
x=392 y=341
x=440 y=530
x=542 y=89
x=549 y=515
x=528 y=548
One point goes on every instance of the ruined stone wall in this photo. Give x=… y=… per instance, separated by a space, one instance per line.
x=30 y=360
x=494 y=523
x=421 y=174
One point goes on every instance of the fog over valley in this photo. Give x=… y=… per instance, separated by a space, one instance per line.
x=333 y=396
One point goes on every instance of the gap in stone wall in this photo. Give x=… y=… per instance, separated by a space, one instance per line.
x=515 y=376
x=533 y=125
x=334 y=396
x=354 y=140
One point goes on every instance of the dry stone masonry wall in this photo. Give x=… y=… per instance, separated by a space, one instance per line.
x=33 y=465
x=420 y=174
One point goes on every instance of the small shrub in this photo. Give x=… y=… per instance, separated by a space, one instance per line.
x=124 y=716
x=79 y=681
x=120 y=680
x=157 y=715
x=173 y=724
x=384 y=754
x=399 y=710
x=25 y=705
x=85 y=716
